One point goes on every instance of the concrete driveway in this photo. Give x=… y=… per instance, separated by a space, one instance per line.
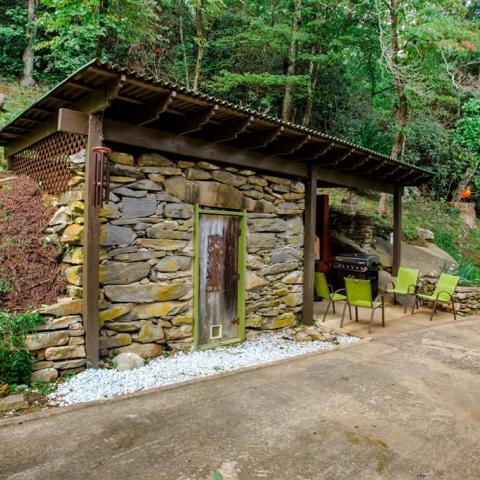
x=405 y=406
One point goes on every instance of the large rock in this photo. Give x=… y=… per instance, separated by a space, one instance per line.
x=173 y=263
x=153 y=160
x=228 y=178
x=139 y=207
x=281 y=321
x=121 y=158
x=254 y=282
x=66 y=352
x=118 y=340
x=13 y=402
x=261 y=240
x=149 y=332
x=119 y=273
x=63 y=308
x=145 y=350
x=267 y=225
x=60 y=217
x=198 y=174
x=127 y=192
x=128 y=361
x=115 y=311
x=146 y=185
x=113 y=235
x=38 y=341
x=155 y=310
x=278 y=268
x=162 y=244
x=72 y=234
x=150 y=292
x=178 y=210
x=122 y=326
x=428 y=259
x=45 y=375
x=160 y=230
x=60 y=323
x=177 y=333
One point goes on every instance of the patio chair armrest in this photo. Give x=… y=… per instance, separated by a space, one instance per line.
x=448 y=293
x=341 y=290
x=392 y=283
x=413 y=288
x=330 y=288
x=380 y=298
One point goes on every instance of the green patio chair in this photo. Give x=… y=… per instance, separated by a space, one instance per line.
x=444 y=291
x=359 y=294
x=407 y=279
x=324 y=290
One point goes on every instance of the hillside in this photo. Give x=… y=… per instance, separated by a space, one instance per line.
x=442 y=218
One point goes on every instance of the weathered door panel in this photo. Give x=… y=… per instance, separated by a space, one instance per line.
x=218 y=278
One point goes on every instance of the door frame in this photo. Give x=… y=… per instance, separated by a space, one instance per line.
x=242 y=250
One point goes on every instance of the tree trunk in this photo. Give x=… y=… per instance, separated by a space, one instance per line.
x=184 y=50
x=312 y=83
x=101 y=38
x=465 y=182
x=401 y=114
x=200 y=45
x=28 y=54
x=287 y=106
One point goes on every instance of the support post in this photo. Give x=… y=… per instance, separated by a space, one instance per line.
x=309 y=245
x=91 y=241
x=397 y=229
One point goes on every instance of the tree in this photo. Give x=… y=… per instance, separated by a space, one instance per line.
x=28 y=53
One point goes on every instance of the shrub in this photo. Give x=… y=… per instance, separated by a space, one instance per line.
x=15 y=360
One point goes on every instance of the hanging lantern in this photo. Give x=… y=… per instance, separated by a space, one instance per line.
x=101 y=191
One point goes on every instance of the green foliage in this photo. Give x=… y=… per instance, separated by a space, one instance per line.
x=12 y=39
x=15 y=360
x=45 y=388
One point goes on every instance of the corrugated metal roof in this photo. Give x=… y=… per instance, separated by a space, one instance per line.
x=35 y=114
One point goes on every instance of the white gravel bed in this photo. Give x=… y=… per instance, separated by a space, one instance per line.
x=95 y=384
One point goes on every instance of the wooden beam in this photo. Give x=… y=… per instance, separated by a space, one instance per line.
x=192 y=123
x=397 y=229
x=153 y=139
x=260 y=139
x=150 y=113
x=309 y=245
x=287 y=145
x=231 y=130
x=101 y=98
x=342 y=178
x=79 y=86
x=91 y=242
x=38 y=133
x=71 y=121
x=319 y=153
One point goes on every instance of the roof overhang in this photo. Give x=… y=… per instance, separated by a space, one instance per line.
x=144 y=112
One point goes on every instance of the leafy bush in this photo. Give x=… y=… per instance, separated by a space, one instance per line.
x=15 y=360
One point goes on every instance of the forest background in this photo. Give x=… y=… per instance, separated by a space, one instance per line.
x=398 y=76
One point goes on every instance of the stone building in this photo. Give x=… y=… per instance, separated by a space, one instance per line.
x=197 y=222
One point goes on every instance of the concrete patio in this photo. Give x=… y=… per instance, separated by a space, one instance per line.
x=401 y=407
x=396 y=321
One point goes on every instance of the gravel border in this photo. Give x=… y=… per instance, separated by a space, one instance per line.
x=96 y=384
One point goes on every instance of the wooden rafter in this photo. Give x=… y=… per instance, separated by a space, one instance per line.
x=192 y=123
x=149 y=114
x=355 y=164
x=288 y=145
x=260 y=139
x=231 y=130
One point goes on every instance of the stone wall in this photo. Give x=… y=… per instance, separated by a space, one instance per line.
x=146 y=270
x=466 y=299
x=58 y=344
x=354 y=226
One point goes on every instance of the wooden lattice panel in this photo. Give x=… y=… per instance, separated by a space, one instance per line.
x=46 y=160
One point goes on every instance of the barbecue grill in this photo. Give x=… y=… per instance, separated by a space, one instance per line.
x=357 y=265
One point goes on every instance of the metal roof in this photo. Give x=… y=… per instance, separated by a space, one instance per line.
x=159 y=104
